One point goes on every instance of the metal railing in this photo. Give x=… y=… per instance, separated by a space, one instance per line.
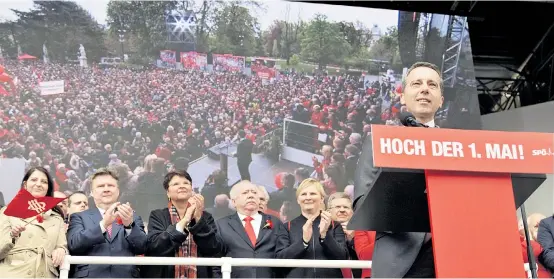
x=225 y=263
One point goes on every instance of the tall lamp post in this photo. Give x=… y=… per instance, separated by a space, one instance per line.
x=121 y=34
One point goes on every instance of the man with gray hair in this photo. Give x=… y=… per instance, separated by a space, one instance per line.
x=356 y=140
x=248 y=233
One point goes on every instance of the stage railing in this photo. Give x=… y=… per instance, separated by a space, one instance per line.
x=225 y=263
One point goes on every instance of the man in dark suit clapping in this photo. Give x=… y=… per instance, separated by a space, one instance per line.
x=109 y=229
x=244 y=155
x=406 y=254
x=248 y=233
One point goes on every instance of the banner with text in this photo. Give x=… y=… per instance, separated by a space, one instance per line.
x=51 y=87
x=462 y=150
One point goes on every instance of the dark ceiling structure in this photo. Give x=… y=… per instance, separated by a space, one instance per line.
x=512 y=46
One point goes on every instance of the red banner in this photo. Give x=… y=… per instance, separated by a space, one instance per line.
x=194 y=60
x=229 y=62
x=462 y=150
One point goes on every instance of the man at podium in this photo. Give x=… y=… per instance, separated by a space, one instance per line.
x=404 y=254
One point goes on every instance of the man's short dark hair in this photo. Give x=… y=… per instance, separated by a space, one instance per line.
x=103 y=171
x=352 y=149
x=302 y=172
x=288 y=180
x=171 y=174
x=76 y=193
x=425 y=65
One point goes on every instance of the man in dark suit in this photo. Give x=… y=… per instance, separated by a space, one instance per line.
x=244 y=155
x=95 y=232
x=248 y=233
x=404 y=255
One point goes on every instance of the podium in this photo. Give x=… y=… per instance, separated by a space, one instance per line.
x=462 y=186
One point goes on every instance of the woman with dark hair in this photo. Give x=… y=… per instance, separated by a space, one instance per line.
x=170 y=230
x=35 y=249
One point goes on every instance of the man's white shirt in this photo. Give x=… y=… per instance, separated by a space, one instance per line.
x=431 y=124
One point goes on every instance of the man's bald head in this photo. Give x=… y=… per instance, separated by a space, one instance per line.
x=222 y=201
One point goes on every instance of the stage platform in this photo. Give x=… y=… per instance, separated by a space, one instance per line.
x=262 y=170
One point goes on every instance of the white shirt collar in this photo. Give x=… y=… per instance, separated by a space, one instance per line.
x=255 y=216
x=431 y=124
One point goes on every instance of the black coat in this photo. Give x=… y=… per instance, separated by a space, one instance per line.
x=394 y=253
x=290 y=246
x=244 y=151
x=164 y=240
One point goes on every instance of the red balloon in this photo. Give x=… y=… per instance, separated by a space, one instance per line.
x=2 y=69
x=279 y=180
x=5 y=78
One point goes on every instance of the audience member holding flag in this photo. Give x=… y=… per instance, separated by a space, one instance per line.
x=32 y=230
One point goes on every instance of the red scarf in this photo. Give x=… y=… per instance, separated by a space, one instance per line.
x=186 y=250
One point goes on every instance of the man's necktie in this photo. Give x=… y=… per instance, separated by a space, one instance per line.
x=250 y=229
x=109 y=230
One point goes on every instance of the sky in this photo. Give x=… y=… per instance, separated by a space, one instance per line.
x=273 y=9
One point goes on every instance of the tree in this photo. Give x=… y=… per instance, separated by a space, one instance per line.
x=357 y=35
x=323 y=43
x=386 y=48
x=235 y=31
x=143 y=19
x=61 y=26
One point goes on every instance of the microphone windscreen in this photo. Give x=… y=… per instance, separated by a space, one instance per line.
x=406 y=118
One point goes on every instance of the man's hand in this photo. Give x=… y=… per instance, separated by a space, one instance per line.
x=126 y=213
x=324 y=223
x=109 y=215
x=349 y=234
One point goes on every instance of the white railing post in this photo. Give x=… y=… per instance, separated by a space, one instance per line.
x=64 y=268
x=226 y=268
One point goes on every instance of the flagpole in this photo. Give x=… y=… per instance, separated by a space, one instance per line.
x=29 y=222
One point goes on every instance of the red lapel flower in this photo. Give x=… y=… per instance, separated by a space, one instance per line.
x=40 y=219
x=268 y=224
x=119 y=221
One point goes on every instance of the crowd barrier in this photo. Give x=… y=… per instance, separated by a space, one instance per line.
x=225 y=263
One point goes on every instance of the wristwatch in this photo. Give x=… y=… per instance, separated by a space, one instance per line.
x=130 y=226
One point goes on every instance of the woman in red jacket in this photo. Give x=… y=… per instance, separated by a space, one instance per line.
x=364 y=241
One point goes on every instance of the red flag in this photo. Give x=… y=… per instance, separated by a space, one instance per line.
x=24 y=205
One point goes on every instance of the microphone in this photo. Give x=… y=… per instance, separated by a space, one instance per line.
x=408 y=119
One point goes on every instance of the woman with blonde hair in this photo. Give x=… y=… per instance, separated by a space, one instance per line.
x=312 y=235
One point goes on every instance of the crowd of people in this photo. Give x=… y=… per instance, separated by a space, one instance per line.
x=118 y=142
x=144 y=122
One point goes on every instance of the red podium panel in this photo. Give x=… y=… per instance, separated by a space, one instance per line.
x=469 y=191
